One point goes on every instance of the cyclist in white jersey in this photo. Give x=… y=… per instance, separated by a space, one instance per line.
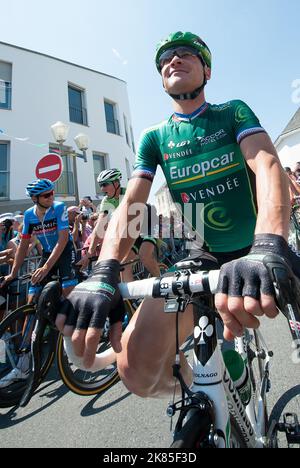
x=145 y=246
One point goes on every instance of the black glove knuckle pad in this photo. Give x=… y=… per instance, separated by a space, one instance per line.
x=92 y=301
x=248 y=276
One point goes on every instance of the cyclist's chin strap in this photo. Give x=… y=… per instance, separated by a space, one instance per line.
x=189 y=96
x=195 y=93
x=116 y=189
x=39 y=204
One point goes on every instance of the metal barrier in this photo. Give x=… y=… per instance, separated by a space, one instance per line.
x=19 y=289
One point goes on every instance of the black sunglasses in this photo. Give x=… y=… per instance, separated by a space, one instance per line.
x=180 y=52
x=47 y=195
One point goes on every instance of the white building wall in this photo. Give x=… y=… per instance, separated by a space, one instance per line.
x=40 y=98
x=288 y=149
x=164 y=202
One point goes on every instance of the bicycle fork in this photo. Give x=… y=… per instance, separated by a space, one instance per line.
x=208 y=370
x=212 y=377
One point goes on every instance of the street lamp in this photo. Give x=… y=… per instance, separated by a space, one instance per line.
x=60 y=132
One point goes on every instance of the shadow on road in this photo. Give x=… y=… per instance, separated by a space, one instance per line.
x=12 y=418
x=89 y=409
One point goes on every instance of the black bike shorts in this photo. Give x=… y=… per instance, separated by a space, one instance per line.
x=64 y=268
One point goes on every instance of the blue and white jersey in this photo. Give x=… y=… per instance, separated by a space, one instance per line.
x=47 y=230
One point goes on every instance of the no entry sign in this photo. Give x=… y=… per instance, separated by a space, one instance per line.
x=49 y=167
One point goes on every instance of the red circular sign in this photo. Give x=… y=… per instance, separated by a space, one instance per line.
x=49 y=167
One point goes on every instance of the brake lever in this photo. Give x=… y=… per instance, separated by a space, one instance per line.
x=284 y=281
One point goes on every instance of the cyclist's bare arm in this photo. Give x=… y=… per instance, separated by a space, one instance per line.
x=40 y=273
x=115 y=245
x=19 y=258
x=273 y=218
x=272 y=185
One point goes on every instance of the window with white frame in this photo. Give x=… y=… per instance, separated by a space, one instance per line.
x=112 y=123
x=132 y=140
x=100 y=164
x=77 y=106
x=5 y=85
x=4 y=170
x=128 y=169
x=126 y=130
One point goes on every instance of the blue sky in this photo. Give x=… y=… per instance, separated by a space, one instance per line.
x=255 y=47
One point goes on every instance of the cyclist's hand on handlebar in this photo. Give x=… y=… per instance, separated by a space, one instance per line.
x=245 y=289
x=5 y=280
x=39 y=275
x=83 y=263
x=89 y=305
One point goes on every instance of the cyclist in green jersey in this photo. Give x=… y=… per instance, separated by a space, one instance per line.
x=146 y=247
x=221 y=161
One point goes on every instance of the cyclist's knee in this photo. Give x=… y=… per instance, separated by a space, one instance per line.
x=60 y=322
x=133 y=381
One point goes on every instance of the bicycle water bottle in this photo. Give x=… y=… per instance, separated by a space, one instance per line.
x=239 y=374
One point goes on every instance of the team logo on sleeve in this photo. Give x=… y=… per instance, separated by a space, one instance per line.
x=243 y=113
x=64 y=216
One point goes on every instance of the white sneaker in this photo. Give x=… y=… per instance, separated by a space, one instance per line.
x=20 y=372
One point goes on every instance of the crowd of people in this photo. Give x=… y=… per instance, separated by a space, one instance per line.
x=294 y=179
x=87 y=224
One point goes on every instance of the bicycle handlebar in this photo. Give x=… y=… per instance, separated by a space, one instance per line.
x=176 y=285
x=185 y=282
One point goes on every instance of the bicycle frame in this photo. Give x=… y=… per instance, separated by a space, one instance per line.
x=257 y=416
x=212 y=389
x=211 y=377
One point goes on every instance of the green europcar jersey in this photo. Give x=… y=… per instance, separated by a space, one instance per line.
x=206 y=171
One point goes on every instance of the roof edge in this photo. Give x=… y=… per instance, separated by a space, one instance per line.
x=61 y=60
x=285 y=135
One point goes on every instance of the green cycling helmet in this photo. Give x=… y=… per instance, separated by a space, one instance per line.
x=187 y=39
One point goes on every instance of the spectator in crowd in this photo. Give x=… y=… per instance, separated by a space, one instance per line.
x=297 y=166
x=84 y=262
x=34 y=250
x=297 y=176
x=87 y=206
x=294 y=187
x=79 y=229
x=6 y=234
x=18 y=220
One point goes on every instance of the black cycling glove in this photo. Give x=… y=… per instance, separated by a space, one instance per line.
x=248 y=276
x=92 y=301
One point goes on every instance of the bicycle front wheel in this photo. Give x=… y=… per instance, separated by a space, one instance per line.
x=86 y=383
x=194 y=434
x=258 y=354
x=15 y=339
